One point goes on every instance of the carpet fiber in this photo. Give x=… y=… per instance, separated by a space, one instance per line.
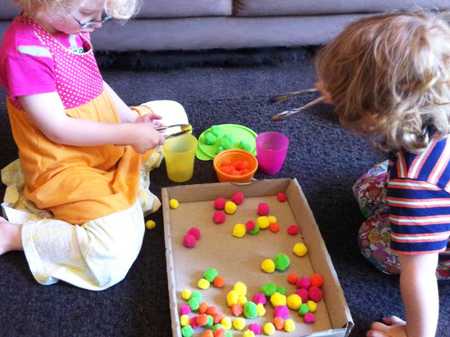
x=323 y=157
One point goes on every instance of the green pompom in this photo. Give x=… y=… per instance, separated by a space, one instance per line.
x=187 y=331
x=210 y=322
x=226 y=142
x=250 y=310
x=255 y=230
x=269 y=289
x=217 y=327
x=194 y=304
x=210 y=274
x=282 y=290
x=304 y=309
x=282 y=262
x=197 y=295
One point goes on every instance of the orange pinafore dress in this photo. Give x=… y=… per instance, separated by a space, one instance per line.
x=76 y=184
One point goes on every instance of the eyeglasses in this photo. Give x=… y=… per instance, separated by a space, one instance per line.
x=92 y=23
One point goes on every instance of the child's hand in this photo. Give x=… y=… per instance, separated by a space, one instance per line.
x=392 y=327
x=325 y=94
x=148 y=118
x=146 y=137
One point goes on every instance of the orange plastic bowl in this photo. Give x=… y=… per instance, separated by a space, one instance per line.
x=235 y=165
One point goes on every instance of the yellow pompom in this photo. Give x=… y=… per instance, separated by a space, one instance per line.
x=239 y=230
x=230 y=207
x=272 y=219
x=150 y=224
x=239 y=324
x=289 y=325
x=174 y=203
x=240 y=288
x=268 y=266
x=263 y=222
x=300 y=249
x=186 y=294
x=232 y=298
x=242 y=299
x=248 y=333
x=278 y=299
x=260 y=310
x=184 y=320
x=203 y=284
x=269 y=329
x=226 y=323
x=312 y=306
x=294 y=301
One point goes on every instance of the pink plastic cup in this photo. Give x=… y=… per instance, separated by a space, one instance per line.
x=271 y=150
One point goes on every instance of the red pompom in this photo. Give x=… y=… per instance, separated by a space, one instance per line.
x=189 y=241
x=219 y=203
x=219 y=217
x=281 y=196
x=263 y=209
x=238 y=198
x=293 y=230
x=195 y=232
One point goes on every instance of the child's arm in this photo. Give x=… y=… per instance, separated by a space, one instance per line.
x=46 y=111
x=420 y=296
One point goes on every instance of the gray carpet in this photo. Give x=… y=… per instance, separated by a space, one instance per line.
x=323 y=157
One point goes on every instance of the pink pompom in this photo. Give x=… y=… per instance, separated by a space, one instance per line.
x=219 y=203
x=282 y=197
x=303 y=293
x=185 y=309
x=193 y=322
x=256 y=328
x=195 y=232
x=263 y=209
x=309 y=318
x=237 y=198
x=281 y=311
x=304 y=282
x=259 y=298
x=250 y=225
x=219 y=217
x=293 y=229
x=315 y=294
x=189 y=241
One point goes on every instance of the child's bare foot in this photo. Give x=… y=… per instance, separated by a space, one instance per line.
x=9 y=237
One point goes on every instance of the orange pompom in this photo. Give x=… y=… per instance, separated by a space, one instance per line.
x=292 y=278
x=202 y=308
x=316 y=280
x=279 y=323
x=236 y=309
x=202 y=320
x=212 y=310
x=274 y=227
x=219 y=282
x=207 y=333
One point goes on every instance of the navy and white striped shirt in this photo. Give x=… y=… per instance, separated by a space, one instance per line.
x=418 y=196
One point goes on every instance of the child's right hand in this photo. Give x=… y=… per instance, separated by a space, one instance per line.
x=391 y=327
x=146 y=137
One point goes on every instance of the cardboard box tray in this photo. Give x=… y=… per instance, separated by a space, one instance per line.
x=240 y=259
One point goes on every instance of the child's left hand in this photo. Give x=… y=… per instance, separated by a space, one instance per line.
x=391 y=327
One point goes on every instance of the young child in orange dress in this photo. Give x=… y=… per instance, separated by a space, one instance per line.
x=75 y=199
x=388 y=77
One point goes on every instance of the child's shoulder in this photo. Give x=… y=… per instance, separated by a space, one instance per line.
x=19 y=33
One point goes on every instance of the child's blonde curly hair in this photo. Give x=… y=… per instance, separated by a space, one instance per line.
x=388 y=76
x=118 y=9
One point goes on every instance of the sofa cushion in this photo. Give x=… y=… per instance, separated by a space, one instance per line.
x=156 y=8
x=314 y=7
x=185 y=8
x=8 y=10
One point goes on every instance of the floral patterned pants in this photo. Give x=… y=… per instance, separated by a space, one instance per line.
x=375 y=233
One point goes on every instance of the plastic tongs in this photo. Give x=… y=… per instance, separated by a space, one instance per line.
x=174 y=130
x=282 y=98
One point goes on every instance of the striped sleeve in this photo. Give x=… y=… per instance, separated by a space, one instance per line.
x=419 y=213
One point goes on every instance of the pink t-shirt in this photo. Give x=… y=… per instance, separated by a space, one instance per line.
x=33 y=61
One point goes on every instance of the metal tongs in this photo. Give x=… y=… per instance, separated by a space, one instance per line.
x=174 y=130
x=282 y=98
